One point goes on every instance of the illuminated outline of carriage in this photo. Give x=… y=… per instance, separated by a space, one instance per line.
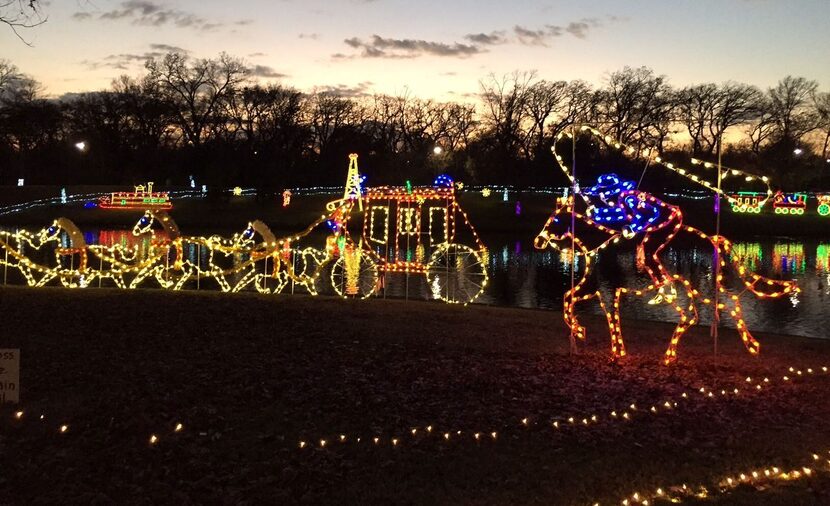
x=395 y=241
x=789 y=203
x=143 y=198
x=747 y=202
x=255 y=257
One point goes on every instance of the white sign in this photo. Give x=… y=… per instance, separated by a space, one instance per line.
x=9 y=376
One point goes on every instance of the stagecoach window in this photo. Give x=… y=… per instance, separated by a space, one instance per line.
x=379 y=224
x=409 y=221
x=437 y=225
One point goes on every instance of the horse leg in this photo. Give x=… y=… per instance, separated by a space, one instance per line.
x=616 y=331
x=752 y=346
x=682 y=325
x=616 y=352
x=569 y=313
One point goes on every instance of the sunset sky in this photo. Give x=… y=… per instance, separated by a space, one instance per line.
x=435 y=49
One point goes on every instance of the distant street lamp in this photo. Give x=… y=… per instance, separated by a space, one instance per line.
x=798 y=151
x=437 y=150
x=81 y=146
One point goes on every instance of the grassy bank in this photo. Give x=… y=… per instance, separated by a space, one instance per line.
x=251 y=376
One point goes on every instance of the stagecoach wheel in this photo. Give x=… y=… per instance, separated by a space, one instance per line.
x=354 y=274
x=456 y=274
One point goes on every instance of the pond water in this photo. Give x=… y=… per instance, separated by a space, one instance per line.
x=521 y=276
x=525 y=277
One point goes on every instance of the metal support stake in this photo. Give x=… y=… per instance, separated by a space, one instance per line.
x=716 y=298
x=572 y=337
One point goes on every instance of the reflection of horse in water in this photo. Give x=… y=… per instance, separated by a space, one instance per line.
x=597 y=246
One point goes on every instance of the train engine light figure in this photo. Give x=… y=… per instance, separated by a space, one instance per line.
x=789 y=203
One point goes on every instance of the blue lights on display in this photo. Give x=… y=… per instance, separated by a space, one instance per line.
x=443 y=181
x=616 y=202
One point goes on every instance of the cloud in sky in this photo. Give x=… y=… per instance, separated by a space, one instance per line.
x=387 y=47
x=384 y=47
x=149 y=13
x=362 y=89
x=126 y=61
x=265 y=71
x=542 y=36
x=487 y=39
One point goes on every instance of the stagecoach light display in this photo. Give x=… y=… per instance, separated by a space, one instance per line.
x=443 y=181
x=255 y=257
x=639 y=208
x=789 y=203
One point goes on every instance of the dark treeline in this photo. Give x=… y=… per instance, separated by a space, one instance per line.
x=207 y=118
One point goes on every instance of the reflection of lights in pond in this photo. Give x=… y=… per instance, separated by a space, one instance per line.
x=748 y=253
x=567 y=259
x=435 y=288
x=788 y=258
x=823 y=258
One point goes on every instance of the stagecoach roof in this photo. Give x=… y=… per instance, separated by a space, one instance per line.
x=403 y=194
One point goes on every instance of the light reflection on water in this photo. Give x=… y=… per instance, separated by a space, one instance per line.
x=524 y=277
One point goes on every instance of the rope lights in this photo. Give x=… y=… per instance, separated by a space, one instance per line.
x=561 y=424
x=619 y=212
x=763 y=476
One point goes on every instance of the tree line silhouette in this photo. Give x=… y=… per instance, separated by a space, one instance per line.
x=209 y=119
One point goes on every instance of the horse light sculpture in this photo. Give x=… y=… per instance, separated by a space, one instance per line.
x=634 y=217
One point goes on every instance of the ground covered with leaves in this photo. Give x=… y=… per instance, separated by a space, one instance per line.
x=469 y=405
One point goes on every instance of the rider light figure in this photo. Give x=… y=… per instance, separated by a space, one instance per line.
x=616 y=204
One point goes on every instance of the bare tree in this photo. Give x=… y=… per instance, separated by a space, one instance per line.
x=150 y=119
x=505 y=112
x=708 y=110
x=16 y=86
x=20 y=15
x=197 y=89
x=761 y=130
x=326 y=114
x=544 y=100
x=791 y=108
x=822 y=105
x=636 y=106
x=454 y=125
